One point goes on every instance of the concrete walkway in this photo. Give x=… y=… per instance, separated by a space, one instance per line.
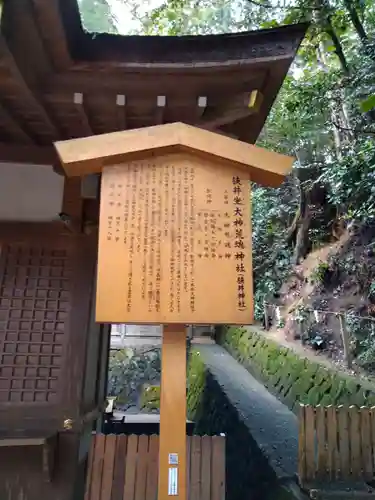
x=272 y=425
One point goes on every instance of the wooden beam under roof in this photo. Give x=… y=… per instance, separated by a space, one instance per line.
x=47 y=15
x=12 y=128
x=115 y=78
x=121 y=114
x=234 y=108
x=22 y=101
x=81 y=114
x=34 y=63
x=161 y=103
x=248 y=128
x=202 y=103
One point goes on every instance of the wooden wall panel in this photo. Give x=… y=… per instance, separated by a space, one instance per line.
x=46 y=279
x=35 y=299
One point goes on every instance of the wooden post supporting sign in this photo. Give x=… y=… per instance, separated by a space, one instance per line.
x=174 y=246
x=172 y=451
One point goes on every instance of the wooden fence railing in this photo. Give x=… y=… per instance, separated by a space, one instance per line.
x=126 y=468
x=336 y=443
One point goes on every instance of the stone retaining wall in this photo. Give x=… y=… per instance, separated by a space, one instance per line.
x=292 y=378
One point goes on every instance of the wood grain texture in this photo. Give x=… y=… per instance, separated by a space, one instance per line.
x=206 y=456
x=333 y=454
x=344 y=444
x=142 y=466
x=108 y=468
x=153 y=467
x=206 y=468
x=355 y=441
x=167 y=228
x=366 y=443
x=131 y=467
x=196 y=465
x=321 y=435
x=218 y=476
x=310 y=443
x=97 y=473
x=91 y=154
x=90 y=468
x=302 y=441
x=173 y=409
x=372 y=426
x=336 y=444
x=120 y=466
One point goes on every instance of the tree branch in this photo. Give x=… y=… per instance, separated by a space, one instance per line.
x=278 y=7
x=355 y=130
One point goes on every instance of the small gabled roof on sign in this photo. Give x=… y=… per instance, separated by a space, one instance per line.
x=89 y=155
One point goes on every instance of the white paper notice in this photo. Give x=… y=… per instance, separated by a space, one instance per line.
x=172 y=481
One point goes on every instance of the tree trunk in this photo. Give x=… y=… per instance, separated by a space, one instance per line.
x=301 y=235
x=338 y=110
x=324 y=19
x=354 y=17
x=338 y=47
x=302 y=239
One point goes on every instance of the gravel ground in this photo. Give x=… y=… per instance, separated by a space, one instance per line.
x=272 y=425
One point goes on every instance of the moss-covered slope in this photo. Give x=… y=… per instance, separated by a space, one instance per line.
x=292 y=378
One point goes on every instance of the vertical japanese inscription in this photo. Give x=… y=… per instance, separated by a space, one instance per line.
x=151 y=278
x=192 y=239
x=238 y=222
x=131 y=247
x=159 y=232
x=174 y=226
x=223 y=234
x=172 y=238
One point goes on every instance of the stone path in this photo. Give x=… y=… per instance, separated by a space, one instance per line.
x=272 y=425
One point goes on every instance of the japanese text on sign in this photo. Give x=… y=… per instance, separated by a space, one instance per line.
x=173 y=228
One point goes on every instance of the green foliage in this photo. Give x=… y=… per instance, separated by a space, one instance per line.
x=301 y=313
x=351 y=179
x=271 y=255
x=150 y=398
x=368 y=104
x=294 y=379
x=128 y=370
x=196 y=379
x=319 y=273
x=363 y=331
x=196 y=383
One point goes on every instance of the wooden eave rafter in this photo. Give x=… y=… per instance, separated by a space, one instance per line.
x=21 y=99
x=52 y=32
x=11 y=127
x=241 y=106
x=89 y=155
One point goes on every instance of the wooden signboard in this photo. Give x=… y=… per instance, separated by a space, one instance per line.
x=175 y=243
x=174 y=246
